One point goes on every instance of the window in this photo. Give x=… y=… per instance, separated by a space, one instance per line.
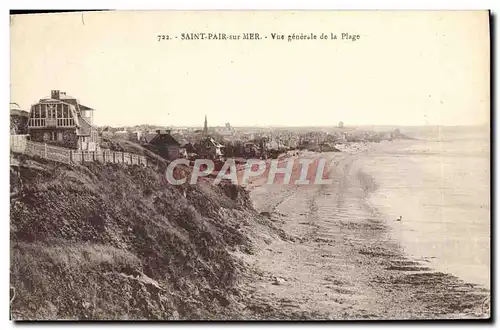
x=52 y=111
x=59 y=136
x=64 y=116
x=50 y=136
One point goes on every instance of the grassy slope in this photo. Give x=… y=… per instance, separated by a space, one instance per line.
x=109 y=241
x=117 y=144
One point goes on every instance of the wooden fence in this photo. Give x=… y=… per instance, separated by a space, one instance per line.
x=21 y=144
x=48 y=151
x=107 y=156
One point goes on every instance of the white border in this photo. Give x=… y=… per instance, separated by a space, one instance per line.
x=191 y=4
x=257 y=4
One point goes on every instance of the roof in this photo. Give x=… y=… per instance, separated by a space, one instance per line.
x=62 y=96
x=149 y=136
x=164 y=139
x=84 y=107
x=66 y=99
x=18 y=112
x=183 y=142
x=189 y=148
x=14 y=106
x=71 y=105
x=215 y=143
x=84 y=128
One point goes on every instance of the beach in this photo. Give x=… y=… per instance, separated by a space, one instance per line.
x=341 y=254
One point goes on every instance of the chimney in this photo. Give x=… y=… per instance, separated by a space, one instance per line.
x=163 y=131
x=55 y=94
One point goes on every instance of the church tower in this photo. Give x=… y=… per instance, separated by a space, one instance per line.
x=205 y=128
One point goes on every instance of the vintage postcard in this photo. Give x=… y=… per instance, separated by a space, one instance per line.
x=250 y=165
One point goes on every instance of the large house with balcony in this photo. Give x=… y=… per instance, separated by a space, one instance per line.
x=62 y=120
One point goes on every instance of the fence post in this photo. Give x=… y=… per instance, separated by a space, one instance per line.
x=93 y=155
x=71 y=156
x=45 y=149
x=83 y=157
x=123 y=157
x=114 y=157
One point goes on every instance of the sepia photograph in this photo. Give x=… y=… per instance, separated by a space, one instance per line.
x=238 y=165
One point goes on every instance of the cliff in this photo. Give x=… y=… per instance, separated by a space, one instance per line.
x=118 y=242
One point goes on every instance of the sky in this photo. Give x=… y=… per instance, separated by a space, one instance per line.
x=406 y=68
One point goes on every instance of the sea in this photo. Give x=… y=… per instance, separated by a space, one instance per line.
x=439 y=183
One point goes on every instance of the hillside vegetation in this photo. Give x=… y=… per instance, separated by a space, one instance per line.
x=118 y=242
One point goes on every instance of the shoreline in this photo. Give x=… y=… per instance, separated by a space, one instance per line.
x=425 y=233
x=338 y=260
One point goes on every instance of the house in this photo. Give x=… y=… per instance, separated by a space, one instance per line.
x=327 y=147
x=292 y=143
x=165 y=144
x=226 y=132
x=250 y=149
x=311 y=145
x=121 y=134
x=183 y=152
x=135 y=136
x=189 y=148
x=18 y=119
x=188 y=151
x=276 y=144
x=209 y=148
x=62 y=120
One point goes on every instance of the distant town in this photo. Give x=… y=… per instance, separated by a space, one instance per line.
x=61 y=120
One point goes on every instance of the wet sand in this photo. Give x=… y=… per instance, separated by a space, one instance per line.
x=336 y=259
